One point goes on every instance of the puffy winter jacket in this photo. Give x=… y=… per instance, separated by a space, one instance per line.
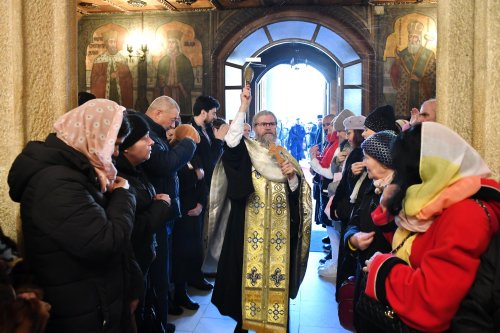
x=75 y=236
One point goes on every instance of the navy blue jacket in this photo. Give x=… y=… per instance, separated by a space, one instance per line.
x=165 y=161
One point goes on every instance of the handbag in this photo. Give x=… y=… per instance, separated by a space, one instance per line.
x=346 y=303
x=380 y=315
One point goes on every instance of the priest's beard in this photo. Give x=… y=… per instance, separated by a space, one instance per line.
x=266 y=139
x=414 y=47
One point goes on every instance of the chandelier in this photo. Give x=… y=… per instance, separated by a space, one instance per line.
x=186 y=2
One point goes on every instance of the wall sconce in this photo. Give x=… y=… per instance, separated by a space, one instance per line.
x=133 y=42
x=378 y=10
x=141 y=53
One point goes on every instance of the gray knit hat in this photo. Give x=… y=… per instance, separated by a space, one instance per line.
x=378 y=146
x=355 y=123
x=338 y=122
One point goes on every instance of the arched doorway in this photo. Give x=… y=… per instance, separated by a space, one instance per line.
x=325 y=39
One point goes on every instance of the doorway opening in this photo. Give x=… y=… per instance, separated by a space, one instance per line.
x=295 y=93
x=292 y=92
x=343 y=61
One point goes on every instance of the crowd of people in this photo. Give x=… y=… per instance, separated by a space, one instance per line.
x=122 y=210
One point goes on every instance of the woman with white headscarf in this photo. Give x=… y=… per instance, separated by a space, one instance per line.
x=446 y=215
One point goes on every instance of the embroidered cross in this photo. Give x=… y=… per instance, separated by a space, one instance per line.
x=253 y=308
x=276 y=312
x=257 y=203
x=277 y=277
x=279 y=204
x=255 y=240
x=279 y=240
x=254 y=276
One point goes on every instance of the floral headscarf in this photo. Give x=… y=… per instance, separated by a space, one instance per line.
x=450 y=169
x=92 y=129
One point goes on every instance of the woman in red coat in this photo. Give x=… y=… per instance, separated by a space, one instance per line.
x=443 y=228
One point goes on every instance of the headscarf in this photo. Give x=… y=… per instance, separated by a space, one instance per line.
x=92 y=129
x=451 y=171
x=325 y=159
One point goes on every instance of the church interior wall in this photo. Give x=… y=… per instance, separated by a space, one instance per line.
x=214 y=29
x=41 y=66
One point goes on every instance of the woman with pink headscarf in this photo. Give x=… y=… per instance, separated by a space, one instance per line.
x=77 y=218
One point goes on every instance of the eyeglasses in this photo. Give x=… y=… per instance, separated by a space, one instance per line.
x=327 y=124
x=273 y=124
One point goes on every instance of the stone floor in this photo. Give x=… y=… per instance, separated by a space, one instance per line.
x=313 y=311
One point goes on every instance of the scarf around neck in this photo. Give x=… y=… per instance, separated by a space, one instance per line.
x=325 y=159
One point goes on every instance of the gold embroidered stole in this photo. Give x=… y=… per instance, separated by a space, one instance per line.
x=266 y=262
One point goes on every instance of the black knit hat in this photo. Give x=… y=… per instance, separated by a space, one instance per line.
x=378 y=146
x=139 y=129
x=381 y=119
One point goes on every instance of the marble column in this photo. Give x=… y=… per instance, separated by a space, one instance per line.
x=38 y=70
x=468 y=71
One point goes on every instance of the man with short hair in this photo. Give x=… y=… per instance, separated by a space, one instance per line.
x=318 y=139
x=315 y=150
x=427 y=112
x=161 y=170
x=212 y=139
x=247 y=129
x=261 y=202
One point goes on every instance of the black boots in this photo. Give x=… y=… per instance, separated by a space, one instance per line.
x=202 y=284
x=181 y=298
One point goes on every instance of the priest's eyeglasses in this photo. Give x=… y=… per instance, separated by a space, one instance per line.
x=273 y=124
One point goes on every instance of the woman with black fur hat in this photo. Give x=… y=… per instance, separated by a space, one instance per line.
x=152 y=209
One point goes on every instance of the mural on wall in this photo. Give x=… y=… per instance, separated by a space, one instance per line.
x=172 y=65
x=410 y=63
x=179 y=67
x=110 y=75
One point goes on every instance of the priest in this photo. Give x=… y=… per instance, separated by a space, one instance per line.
x=259 y=226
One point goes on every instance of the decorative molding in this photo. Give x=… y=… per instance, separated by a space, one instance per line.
x=82 y=12
x=167 y=5
x=115 y=5
x=217 y=4
x=400 y=2
x=137 y=3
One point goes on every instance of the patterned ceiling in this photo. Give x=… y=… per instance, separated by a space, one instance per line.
x=88 y=7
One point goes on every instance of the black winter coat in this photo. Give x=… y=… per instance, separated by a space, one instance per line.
x=362 y=221
x=341 y=205
x=150 y=216
x=479 y=312
x=165 y=161
x=75 y=236
x=208 y=152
